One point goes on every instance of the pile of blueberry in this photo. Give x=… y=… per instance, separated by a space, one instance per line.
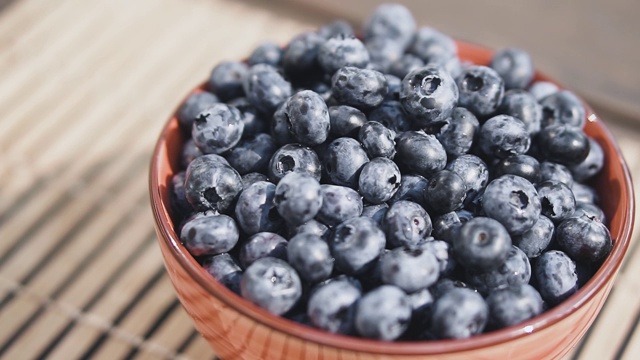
x=378 y=186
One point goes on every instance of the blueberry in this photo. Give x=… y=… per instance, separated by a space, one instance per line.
x=591 y=165
x=300 y=58
x=313 y=227
x=481 y=243
x=332 y=306
x=226 y=79
x=393 y=22
x=556 y=276
x=441 y=250
x=252 y=178
x=411 y=188
x=255 y=211
x=585 y=239
x=217 y=129
x=584 y=193
x=542 y=89
x=536 y=240
x=430 y=44
x=345 y=120
x=271 y=284
x=356 y=245
x=193 y=106
x=514 y=271
x=420 y=153
x=514 y=305
x=377 y=140
x=261 y=245
x=523 y=106
x=265 y=88
x=473 y=171
x=563 y=144
x=406 y=223
x=339 y=203
x=376 y=212
x=310 y=256
x=446 y=284
x=524 y=166
x=391 y=114
x=445 y=226
x=394 y=84
x=421 y=303
x=459 y=313
x=557 y=200
x=513 y=201
x=429 y=95
x=514 y=66
x=458 y=133
x=383 y=313
x=481 y=90
x=190 y=151
x=340 y=51
x=383 y=51
x=344 y=160
x=268 y=53
x=379 y=180
x=409 y=268
x=179 y=203
x=335 y=28
x=252 y=154
x=281 y=128
x=361 y=88
x=224 y=269
x=503 y=136
x=405 y=64
x=298 y=198
x=554 y=171
x=294 y=158
x=446 y=192
x=210 y=183
x=307 y=116
x=254 y=122
x=563 y=108
x=209 y=235
x=590 y=210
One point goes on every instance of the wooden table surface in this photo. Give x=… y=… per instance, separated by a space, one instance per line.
x=85 y=87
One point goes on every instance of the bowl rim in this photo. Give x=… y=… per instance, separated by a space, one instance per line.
x=599 y=280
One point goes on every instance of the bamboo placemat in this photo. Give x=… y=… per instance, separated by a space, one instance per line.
x=85 y=88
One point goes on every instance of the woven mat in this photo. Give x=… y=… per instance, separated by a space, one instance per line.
x=85 y=88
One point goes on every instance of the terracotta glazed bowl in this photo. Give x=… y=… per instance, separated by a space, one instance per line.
x=238 y=329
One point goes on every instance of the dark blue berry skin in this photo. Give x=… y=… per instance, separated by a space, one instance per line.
x=193 y=106
x=190 y=151
x=343 y=161
x=298 y=198
x=255 y=211
x=446 y=192
x=585 y=239
x=379 y=180
x=209 y=235
x=217 y=129
x=179 y=203
x=383 y=313
x=420 y=153
x=308 y=118
x=310 y=256
x=393 y=22
x=394 y=84
x=265 y=88
x=430 y=44
x=446 y=284
x=536 y=240
x=254 y=123
x=513 y=201
x=514 y=66
x=514 y=271
x=523 y=106
x=335 y=28
x=585 y=193
x=252 y=178
x=563 y=108
x=252 y=154
x=445 y=226
x=557 y=200
x=481 y=243
x=268 y=53
x=458 y=133
x=590 y=210
x=563 y=144
x=459 y=313
x=391 y=114
x=429 y=95
x=473 y=171
x=405 y=64
x=503 y=136
x=339 y=203
x=345 y=120
x=210 y=183
x=481 y=89
x=556 y=276
x=226 y=79
x=281 y=126
x=524 y=166
x=513 y=305
x=376 y=212
x=261 y=245
x=332 y=306
x=591 y=165
x=557 y=172
x=421 y=303
x=224 y=269
x=406 y=224
x=409 y=268
x=411 y=188
x=542 y=89
x=313 y=227
x=340 y=51
x=361 y=88
x=300 y=58
x=442 y=251
x=383 y=51
x=271 y=284
x=294 y=158
x=377 y=140
x=356 y=244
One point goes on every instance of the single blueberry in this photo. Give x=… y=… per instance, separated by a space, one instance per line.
x=392 y=115
x=298 y=198
x=377 y=140
x=481 y=243
x=542 y=89
x=226 y=270
x=513 y=201
x=513 y=305
x=361 y=88
x=556 y=276
x=300 y=58
x=390 y=21
x=536 y=240
x=294 y=158
x=383 y=51
x=585 y=193
x=254 y=122
x=459 y=313
x=405 y=64
x=514 y=66
x=265 y=88
x=252 y=154
x=446 y=284
x=379 y=180
x=271 y=284
x=446 y=226
x=190 y=151
x=255 y=211
x=193 y=106
x=226 y=79
x=442 y=251
x=503 y=136
x=563 y=108
x=346 y=120
x=268 y=53
x=209 y=235
x=514 y=271
x=261 y=245
x=339 y=203
x=342 y=50
x=481 y=89
x=210 y=183
x=430 y=44
x=217 y=129
x=281 y=128
x=376 y=212
x=566 y=145
x=446 y=192
x=307 y=118
x=383 y=313
x=394 y=84
x=313 y=227
x=356 y=244
x=310 y=256
x=584 y=238
x=523 y=106
x=473 y=171
x=557 y=172
x=411 y=188
x=591 y=165
x=429 y=94
x=409 y=268
x=557 y=200
x=252 y=178
x=420 y=153
x=524 y=166
x=179 y=203
x=590 y=210
x=406 y=223
x=343 y=161
x=458 y=133
x=332 y=306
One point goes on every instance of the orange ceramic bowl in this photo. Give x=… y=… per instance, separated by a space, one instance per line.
x=238 y=329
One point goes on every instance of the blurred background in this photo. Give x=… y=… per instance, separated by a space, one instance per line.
x=86 y=86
